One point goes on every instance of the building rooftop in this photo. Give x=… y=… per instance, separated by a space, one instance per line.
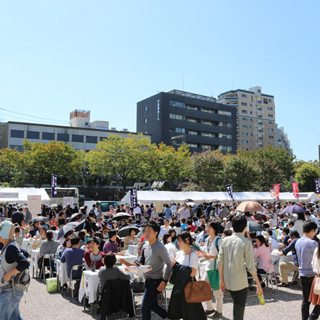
x=192 y=95
x=245 y=91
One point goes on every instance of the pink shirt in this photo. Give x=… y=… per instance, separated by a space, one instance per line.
x=263 y=253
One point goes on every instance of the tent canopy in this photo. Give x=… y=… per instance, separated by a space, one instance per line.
x=145 y=197
x=21 y=194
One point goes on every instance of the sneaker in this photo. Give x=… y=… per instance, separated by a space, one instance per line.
x=216 y=315
x=208 y=312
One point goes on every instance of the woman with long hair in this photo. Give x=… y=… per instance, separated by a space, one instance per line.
x=178 y=307
x=262 y=252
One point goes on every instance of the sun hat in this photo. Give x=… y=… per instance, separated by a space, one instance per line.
x=5 y=229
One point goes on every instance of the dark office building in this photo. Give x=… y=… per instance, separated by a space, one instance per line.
x=178 y=117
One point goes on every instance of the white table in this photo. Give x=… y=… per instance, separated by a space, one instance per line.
x=62 y=272
x=128 y=257
x=133 y=249
x=34 y=260
x=89 y=286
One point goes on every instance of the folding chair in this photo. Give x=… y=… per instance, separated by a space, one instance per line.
x=47 y=257
x=271 y=276
x=72 y=280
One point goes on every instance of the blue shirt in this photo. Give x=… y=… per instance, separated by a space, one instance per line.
x=168 y=213
x=292 y=248
x=305 y=248
x=73 y=257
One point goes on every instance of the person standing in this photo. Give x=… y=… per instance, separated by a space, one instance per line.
x=305 y=248
x=235 y=258
x=154 y=254
x=12 y=263
x=212 y=248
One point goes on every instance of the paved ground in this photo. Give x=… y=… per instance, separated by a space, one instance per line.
x=37 y=304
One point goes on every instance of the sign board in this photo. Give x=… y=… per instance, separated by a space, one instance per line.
x=133 y=197
x=10 y=195
x=34 y=204
x=67 y=200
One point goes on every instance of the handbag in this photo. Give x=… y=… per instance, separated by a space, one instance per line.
x=213 y=277
x=197 y=291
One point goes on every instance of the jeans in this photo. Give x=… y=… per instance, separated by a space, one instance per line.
x=239 y=298
x=306 y=283
x=9 y=304
x=150 y=300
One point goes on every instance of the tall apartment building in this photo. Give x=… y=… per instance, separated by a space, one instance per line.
x=81 y=134
x=256 y=117
x=177 y=117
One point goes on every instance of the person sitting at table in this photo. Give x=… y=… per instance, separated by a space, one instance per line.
x=285 y=237
x=111 y=244
x=48 y=246
x=33 y=230
x=18 y=236
x=263 y=253
x=94 y=256
x=293 y=265
x=109 y=272
x=73 y=256
x=41 y=236
x=131 y=238
x=66 y=244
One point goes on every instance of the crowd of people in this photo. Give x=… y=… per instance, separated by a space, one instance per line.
x=216 y=243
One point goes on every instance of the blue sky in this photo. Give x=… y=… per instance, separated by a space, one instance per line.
x=105 y=56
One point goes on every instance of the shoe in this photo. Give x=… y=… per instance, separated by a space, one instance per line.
x=283 y=285
x=208 y=312
x=216 y=315
x=294 y=283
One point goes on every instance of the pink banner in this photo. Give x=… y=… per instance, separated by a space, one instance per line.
x=295 y=189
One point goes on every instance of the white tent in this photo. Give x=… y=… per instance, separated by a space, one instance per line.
x=19 y=195
x=145 y=197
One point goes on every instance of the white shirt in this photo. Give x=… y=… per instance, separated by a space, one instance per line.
x=190 y=260
x=274 y=243
x=172 y=250
x=212 y=250
x=137 y=210
x=184 y=213
x=162 y=232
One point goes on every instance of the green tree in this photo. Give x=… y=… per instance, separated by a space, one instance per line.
x=242 y=173
x=305 y=176
x=207 y=172
x=41 y=160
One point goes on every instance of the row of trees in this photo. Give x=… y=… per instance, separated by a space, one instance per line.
x=125 y=161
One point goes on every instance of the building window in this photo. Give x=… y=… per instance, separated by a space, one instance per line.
x=176 y=104
x=176 y=116
x=146 y=108
x=245 y=126
x=47 y=136
x=244 y=111
x=208 y=134
x=244 y=141
x=225 y=113
x=180 y=130
x=245 y=133
x=158 y=110
x=265 y=100
x=270 y=108
x=103 y=138
x=225 y=124
x=193 y=120
x=191 y=107
x=17 y=134
x=18 y=148
x=270 y=115
x=244 y=104
x=225 y=136
x=91 y=139
x=145 y=120
x=33 y=135
x=206 y=147
x=192 y=133
x=271 y=137
x=225 y=148
x=270 y=129
x=243 y=95
x=77 y=138
x=208 y=110
x=192 y=145
x=244 y=119
x=63 y=137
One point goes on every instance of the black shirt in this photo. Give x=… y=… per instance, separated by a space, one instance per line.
x=13 y=254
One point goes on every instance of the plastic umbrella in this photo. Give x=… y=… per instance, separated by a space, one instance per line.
x=122 y=216
x=70 y=226
x=75 y=217
x=249 y=206
x=40 y=219
x=125 y=231
x=294 y=209
x=255 y=226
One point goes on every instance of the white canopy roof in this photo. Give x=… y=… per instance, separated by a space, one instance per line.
x=180 y=196
x=21 y=194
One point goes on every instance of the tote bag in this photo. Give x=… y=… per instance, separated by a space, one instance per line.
x=213 y=276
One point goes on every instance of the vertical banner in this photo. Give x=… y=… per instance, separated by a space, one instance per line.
x=276 y=188
x=133 y=197
x=295 y=189
x=317 y=182
x=229 y=189
x=54 y=192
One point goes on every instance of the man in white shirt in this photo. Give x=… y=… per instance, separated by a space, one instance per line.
x=137 y=211
x=184 y=212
